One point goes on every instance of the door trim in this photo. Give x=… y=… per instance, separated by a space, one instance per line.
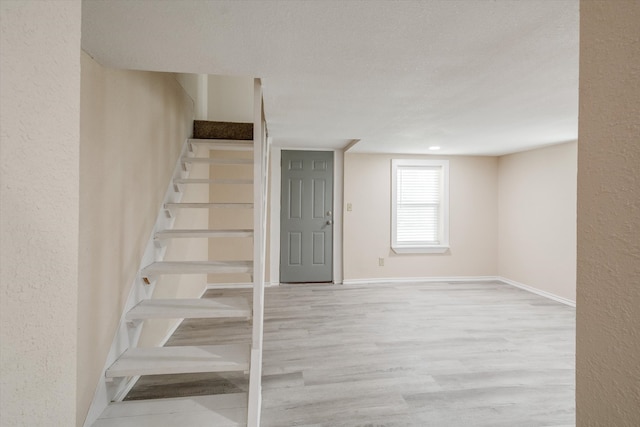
x=274 y=200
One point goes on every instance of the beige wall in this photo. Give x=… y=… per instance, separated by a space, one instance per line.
x=231 y=248
x=367 y=228
x=608 y=297
x=133 y=125
x=156 y=331
x=39 y=154
x=230 y=99
x=537 y=218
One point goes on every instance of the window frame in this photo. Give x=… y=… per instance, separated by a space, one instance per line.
x=443 y=232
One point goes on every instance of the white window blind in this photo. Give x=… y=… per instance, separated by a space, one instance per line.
x=420 y=205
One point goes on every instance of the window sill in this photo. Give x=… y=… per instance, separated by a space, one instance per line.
x=420 y=249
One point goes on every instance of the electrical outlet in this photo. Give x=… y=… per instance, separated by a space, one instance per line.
x=349 y=207
x=381 y=262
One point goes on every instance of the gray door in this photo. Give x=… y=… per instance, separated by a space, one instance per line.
x=306 y=217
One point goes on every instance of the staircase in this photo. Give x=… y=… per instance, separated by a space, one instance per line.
x=237 y=409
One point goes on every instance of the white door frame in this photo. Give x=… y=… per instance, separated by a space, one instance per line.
x=274 y=226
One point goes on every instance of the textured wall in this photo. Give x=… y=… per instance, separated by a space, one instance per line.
x=608 y=292
x=40 y=113
x=473 y=229
x=132 y=128
x=537 y=218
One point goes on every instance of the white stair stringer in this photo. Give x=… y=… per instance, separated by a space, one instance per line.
x=201 y=308
x=260 y=173
x=222 y=410
x=181 y=360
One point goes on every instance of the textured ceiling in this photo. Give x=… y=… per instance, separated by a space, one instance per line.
x=472 y=76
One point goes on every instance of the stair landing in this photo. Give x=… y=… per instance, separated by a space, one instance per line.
x=204 y=129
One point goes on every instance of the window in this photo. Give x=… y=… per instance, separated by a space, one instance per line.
x=419 y=206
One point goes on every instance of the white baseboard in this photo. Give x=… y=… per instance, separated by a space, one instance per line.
x=393 y=280
x=537 y=291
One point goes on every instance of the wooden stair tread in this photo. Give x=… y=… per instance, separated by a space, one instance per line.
x=197 y=267
x=216 y=161
x=201 y=308
x=171 y=234
x=212 y=181
x=209 y=205
x=181 y=360
x=223 y=410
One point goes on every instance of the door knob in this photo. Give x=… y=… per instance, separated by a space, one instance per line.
x=329 y=222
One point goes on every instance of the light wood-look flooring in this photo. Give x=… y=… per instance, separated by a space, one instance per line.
x=445 y=354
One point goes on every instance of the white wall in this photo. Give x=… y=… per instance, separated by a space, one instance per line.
x=367 y=228
x=608 y=304
x=189 y=83
x=39 y=201
x=132 y=128
x=537 y=219
x=196 y=86
x=230 y=99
